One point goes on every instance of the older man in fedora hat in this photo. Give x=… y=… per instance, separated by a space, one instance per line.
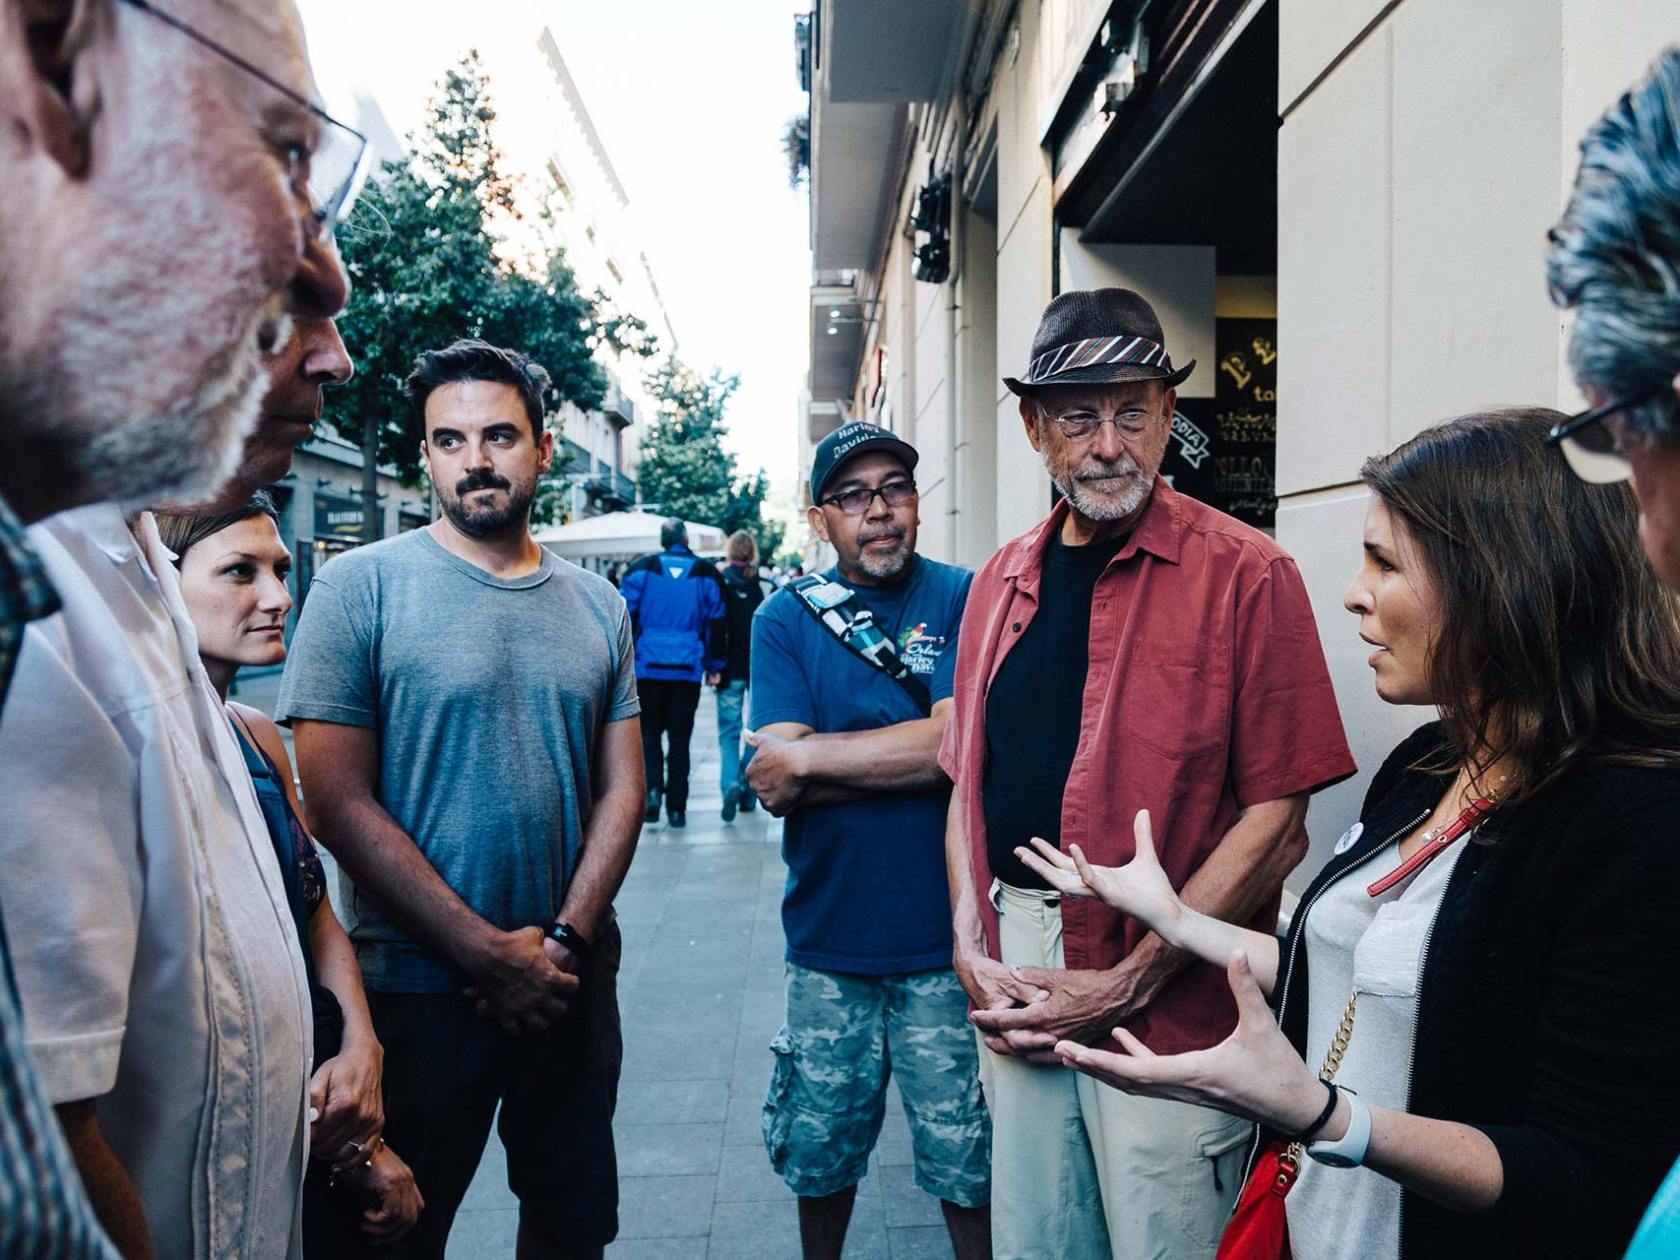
x=1137 y=650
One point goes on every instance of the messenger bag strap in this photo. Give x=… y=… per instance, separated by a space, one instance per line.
x=837 y=610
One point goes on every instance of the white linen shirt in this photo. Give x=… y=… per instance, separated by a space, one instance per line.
x=155 y=956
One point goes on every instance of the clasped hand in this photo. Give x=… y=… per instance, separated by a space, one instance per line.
x=526 y=983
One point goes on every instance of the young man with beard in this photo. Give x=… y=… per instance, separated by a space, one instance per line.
x=464 y=711
x=846 y=752
x=159 y=980
x=1136 y=650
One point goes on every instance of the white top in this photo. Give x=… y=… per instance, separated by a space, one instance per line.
x=1375 y=945
x=155 y=955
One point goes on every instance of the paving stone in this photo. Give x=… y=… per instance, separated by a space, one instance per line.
x=745 y=1176
x=653 y=1000
x=674 y=1102
x=865 y=1239
x=907 y=1203
x=755 y=1231
x=658 y=1249
x=744 y=1125
x=665 y=1207
x=922 y=1242
x=750 y=1077
x=489 y=1188
x=649 y=1150
x=682 y=1053
x=483 y=1235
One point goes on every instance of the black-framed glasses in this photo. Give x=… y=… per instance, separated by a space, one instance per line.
x=855 y=502
x=1590 y=448
x=332 y=175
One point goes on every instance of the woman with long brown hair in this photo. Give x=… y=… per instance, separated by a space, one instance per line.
x=358 y=1195
x=1476 y=1039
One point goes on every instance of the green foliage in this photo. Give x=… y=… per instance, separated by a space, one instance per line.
x=796 y=147
x=422 y=252
x=685 y=468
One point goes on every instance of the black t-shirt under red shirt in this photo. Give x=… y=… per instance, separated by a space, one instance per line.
x=1034 y=706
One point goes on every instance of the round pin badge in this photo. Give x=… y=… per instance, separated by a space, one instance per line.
x=1350 y=837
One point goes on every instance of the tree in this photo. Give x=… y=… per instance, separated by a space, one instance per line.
x=685 y=468
x=427 y=265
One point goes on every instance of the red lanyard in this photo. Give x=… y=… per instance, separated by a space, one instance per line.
x=1432 y=849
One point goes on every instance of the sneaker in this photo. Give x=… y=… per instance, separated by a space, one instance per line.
x=731 y=802
x=652 y=814
x=748 y=804
x=677 y=818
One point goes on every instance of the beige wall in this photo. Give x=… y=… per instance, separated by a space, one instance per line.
x=1023 y=269
x=977 y=399
x=1427 y=146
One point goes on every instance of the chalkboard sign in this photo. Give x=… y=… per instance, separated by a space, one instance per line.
x=1223 y=449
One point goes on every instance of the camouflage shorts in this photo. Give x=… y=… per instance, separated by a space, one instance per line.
x=845 y=1036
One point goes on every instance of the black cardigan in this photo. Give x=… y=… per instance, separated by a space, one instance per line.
x=1548 y=1007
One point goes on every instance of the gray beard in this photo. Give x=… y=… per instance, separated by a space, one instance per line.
x=1102 y=510
x=885 y=568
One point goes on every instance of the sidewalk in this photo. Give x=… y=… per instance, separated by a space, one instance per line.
x=701 y=992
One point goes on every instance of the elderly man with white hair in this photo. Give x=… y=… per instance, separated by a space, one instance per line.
x=167 y=192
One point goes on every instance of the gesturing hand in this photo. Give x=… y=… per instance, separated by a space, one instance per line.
x=1254 y=1073
x=519 y=986
x=1140 y=888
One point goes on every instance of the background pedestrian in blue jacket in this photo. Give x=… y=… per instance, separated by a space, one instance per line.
x=677 y=610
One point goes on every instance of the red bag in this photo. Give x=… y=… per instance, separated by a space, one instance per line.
x=1259 y=1228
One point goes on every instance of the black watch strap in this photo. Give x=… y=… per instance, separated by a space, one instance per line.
x=570 y=937
x=1311 y=1131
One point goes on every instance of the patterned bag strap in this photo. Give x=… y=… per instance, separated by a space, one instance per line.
x=837 y=610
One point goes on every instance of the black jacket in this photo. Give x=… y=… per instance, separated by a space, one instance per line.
x=743 y=592
x=1548 y=1006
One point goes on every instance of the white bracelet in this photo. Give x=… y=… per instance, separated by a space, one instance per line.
x=1348 y=1151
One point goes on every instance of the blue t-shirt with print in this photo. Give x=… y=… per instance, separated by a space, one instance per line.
x=866 y=889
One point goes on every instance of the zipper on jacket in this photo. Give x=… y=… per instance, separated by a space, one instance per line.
x=1289 y=963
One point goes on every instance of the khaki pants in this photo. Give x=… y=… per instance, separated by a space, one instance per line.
x=1081 y=1171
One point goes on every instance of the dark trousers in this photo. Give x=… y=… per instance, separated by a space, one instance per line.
x=446 y=1071
x=668 y=709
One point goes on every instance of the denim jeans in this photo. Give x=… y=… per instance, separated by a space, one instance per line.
x=731 y=699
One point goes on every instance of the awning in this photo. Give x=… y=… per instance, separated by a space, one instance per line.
x=621 y=536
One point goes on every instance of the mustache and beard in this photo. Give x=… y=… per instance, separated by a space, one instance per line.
x=1107 y=504
x=487 y=520
x=884 y=565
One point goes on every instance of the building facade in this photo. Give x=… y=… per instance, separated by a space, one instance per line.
x=1337 y=208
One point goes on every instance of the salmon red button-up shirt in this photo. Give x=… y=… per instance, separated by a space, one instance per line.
x=1206 y=693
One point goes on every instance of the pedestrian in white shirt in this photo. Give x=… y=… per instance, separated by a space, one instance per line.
x=174 y=154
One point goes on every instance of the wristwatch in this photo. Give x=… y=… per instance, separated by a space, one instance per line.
x=570 y=937
x=1347 y=1151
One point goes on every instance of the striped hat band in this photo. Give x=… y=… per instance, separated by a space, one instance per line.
x=1097 y=352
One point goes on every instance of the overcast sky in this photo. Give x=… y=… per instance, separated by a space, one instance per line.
x=690 y=100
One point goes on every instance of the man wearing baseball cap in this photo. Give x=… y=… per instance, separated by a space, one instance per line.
x=852 y=687
x=1136 y=650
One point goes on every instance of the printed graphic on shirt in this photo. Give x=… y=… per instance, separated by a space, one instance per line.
x=920 y=650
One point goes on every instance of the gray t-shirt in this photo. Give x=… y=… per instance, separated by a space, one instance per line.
x=489 y=697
